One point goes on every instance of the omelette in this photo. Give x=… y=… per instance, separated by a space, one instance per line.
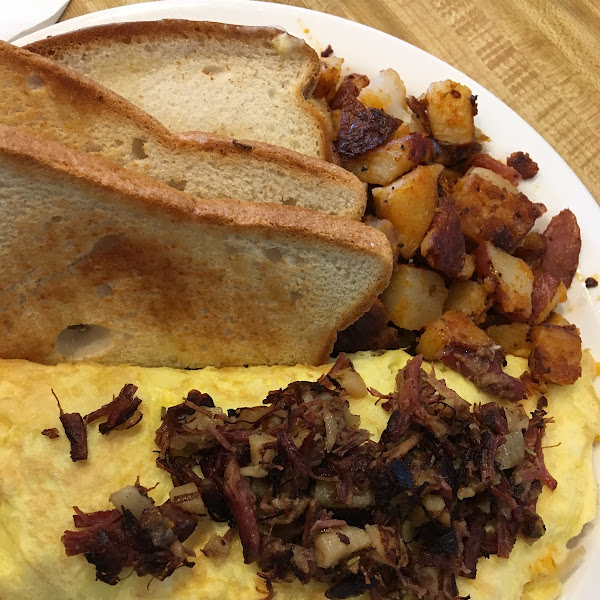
x=40 y=484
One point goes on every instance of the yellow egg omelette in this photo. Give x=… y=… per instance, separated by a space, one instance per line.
x=39 y=484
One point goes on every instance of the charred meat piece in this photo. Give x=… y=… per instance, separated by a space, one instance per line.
x=361 y=128
x=135 y=535
x=121 y=413
x=444 y=244
x=75 y=431
x=523 y=163
x=563 y=240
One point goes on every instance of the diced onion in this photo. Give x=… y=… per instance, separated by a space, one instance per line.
x=352 y=382
x=188 y=498
x=512 y=452
x=132 y=499
x=330 y=549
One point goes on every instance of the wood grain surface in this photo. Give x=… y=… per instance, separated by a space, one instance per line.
x=541 y=57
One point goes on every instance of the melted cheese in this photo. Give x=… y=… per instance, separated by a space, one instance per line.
x=39 y=484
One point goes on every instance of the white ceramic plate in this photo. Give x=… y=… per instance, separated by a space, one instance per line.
x=367 y=51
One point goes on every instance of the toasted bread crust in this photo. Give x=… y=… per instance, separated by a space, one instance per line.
x=68 y=88
x=104 y=35
x=133 y=192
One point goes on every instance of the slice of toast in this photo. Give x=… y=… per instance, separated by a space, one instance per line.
x=105 y=264
x=243 y=82
x=42 y=97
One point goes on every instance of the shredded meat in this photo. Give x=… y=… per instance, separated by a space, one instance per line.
x=114 y=540
x=121 y=413
x=299 y=469
x=522 y=162
x=75 y=431
x=52 y=433
x=327 y=52
x=484 y=366
x=313 y=497
x=242 y=503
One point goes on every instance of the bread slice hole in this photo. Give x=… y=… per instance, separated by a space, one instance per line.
x=295 y=296
x=35 y=82
x=78 y=342
x=212 y=70
x=290 y=201
x=93 y=148
x=273 y=254
x=137 y=148
x=178 y=184
x=104 y=291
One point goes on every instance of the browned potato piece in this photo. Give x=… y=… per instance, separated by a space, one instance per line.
x=391 y=160
x=491 y=208
x=450 y=112
x=557 y=319
x=555 y=353
x=388 y=228
x=513 y=337
x=409 y=203
x=414 y=297
x=452 y=328
x=386 y=91
x=470 y=297
x=468 y=268
x=513 y=277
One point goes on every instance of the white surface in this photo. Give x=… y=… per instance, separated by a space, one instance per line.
x=19 y=17
x=367 y=51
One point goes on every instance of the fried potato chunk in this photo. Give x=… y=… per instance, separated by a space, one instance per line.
x=470 y=297
x=414 y=297
x=555 y=353
x=409 y=203
x=513 y=337
x=453 y=328
x=387 y=92
x=513 y=279
x=391 y=160
x=450 y=112
x=492 y=209
x=386 y=227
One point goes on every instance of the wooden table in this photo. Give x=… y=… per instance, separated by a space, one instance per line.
x=542 y=57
